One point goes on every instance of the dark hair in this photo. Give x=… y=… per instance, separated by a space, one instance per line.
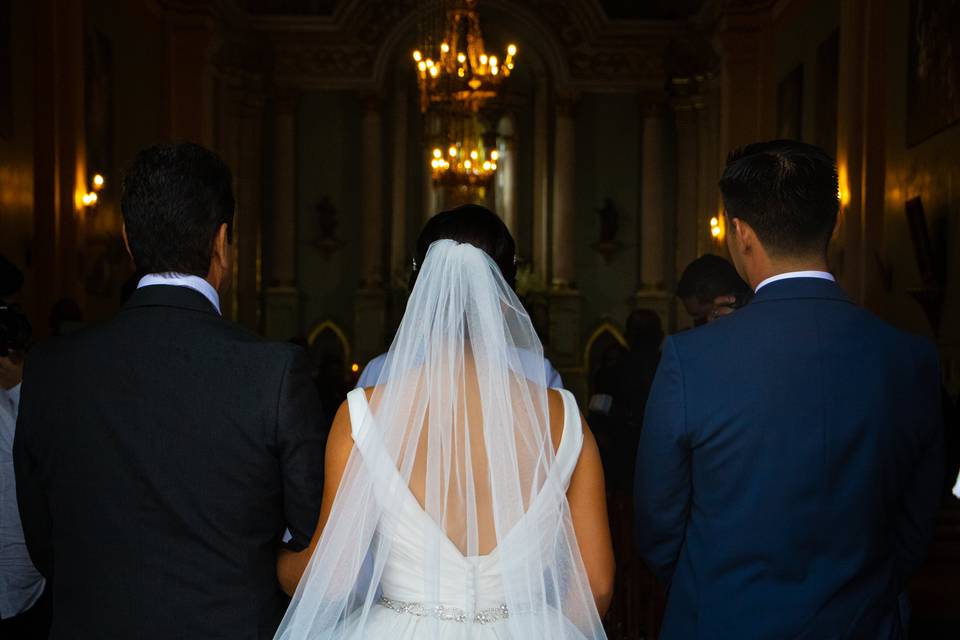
x=786 y=191
x=709 y=277
x=471 y=224
x=175 y=197
x=11 y=278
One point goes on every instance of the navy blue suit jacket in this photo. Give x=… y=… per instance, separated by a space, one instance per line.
x=790 y=469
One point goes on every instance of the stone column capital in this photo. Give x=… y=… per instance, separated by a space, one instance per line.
x=686 y=95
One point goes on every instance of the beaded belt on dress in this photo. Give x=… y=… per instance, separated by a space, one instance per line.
x=450 y=614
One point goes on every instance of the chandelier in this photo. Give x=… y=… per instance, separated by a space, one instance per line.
x=455 y=79
x=460 y=73
x=464 y=161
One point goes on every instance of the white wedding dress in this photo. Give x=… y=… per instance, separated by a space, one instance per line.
x=451 y=520
x=471 y=586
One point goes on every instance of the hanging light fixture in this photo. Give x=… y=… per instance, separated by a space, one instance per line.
x=460 y=157
x=460 y=73
x=456 y=75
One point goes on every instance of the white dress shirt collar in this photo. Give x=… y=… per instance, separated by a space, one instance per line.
x=820 y=275
x=196 y=283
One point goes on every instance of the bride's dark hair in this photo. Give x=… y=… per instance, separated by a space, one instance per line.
x=470 y=224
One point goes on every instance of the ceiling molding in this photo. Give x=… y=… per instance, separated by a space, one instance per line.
x=579 y=46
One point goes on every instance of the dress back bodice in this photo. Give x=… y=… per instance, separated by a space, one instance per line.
x=466 y=583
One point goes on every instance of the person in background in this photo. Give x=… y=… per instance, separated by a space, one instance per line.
x=710 y=287
x=473 y=220
x=24 y=601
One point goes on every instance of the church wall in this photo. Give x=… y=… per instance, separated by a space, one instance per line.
x=16 y=138
x=130 y=81
x=607 y=166
x=797 y=37
x=329 y=164
x=931 y=171
x=928 y=169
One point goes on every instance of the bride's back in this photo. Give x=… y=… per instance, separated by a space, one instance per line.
x=451 y=502
x=465 y=493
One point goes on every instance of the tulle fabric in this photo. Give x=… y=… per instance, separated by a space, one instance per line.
x=462 y=427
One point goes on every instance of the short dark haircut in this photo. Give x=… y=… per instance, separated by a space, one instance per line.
x=786 y=191
x=11 y=278
x=709 y=277
x=471 y=224
x=175 y=197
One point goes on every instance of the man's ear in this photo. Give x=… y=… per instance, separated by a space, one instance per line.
x=221 y=247
x=126 y=242
x=744 y=235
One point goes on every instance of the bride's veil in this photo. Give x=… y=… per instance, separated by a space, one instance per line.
x=459 y=422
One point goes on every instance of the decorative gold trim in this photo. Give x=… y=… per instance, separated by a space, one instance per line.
x=320 y=327
x=605 y=326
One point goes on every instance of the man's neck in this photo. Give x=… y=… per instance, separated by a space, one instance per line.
x=787 y=265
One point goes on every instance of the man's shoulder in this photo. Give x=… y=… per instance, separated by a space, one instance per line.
x=124 y=334
x=909 y=344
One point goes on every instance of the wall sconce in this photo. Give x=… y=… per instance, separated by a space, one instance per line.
x=91 y=198
x=717 y=231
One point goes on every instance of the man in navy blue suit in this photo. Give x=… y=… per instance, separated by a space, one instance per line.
x=790 y=465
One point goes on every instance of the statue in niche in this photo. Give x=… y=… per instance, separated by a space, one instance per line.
x=327 y=221
x=607 y=245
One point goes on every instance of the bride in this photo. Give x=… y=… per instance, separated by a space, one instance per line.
x=463 y=499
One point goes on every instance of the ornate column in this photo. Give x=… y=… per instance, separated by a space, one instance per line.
x=240 y=143
x=191 y=38
x=708 y=137
x=564 y=206
x=59 y=158
x=283 y=296
x=371 y=195
x=399 y=266
x=747 y=88
x=506 y=197
x=686 y=104
x=541 y=178
x=653 y=213
x=564 y=306
x=861 y=151
x=370 y=304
